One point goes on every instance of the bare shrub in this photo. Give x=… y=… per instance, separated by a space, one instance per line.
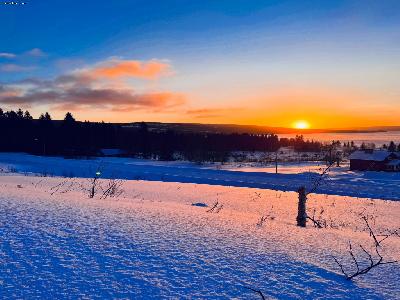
x=261 y=221
x=64 y=186
x=318 y=219
x=216 y=208
x=268 y=216
x=373 y=259
x=93 y=186
x=302 y=217
x=113 y=188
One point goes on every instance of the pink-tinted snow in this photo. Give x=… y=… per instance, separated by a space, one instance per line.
x=152 y=243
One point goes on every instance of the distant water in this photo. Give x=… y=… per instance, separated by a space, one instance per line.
x=378 y=138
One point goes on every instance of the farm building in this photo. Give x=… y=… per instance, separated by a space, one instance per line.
x=374 y=160
x=393 y=165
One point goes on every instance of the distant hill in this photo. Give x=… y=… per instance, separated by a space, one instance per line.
x=252 y=129
x=384 y=128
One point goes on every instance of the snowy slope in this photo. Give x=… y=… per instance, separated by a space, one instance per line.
x=151 y=243
x=378 y=185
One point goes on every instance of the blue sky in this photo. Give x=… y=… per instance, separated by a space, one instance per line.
x=262 y=58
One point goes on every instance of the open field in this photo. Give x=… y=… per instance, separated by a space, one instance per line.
x=150 y=242
x=376 y=185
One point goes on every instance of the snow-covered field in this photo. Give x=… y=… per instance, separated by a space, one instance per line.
x=152 y=243
x=341 y=181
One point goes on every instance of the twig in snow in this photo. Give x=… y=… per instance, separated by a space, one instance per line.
x=373 y=261
x=261 y=221
x=320 y=179
x=113 y=189
x=213 y=207
x=218 y=209
x=256 y=291
x=302 y=217
x=264 y=218
x=395 y=232
x=318 y=223
x=371 y=233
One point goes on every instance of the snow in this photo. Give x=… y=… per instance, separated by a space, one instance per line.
x=373 y=155
x=341 y=181
x=151 y=243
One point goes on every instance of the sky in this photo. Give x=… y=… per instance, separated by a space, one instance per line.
x=332 y=64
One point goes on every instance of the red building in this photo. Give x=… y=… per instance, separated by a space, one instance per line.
x=374 y=160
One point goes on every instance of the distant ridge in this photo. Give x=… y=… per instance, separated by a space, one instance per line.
x=251 y=129
x=235 y=128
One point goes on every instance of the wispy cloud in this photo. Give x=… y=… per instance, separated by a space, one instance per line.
x=117 y=68
x=93 y=88
x=211 y=112
x=36 y=52
x=7 y=55
x=15 y=68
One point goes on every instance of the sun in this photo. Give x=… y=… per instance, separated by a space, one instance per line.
x=301 y=124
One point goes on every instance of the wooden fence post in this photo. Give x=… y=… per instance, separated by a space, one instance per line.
x=301 y=211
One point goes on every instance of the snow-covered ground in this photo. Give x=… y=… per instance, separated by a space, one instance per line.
x=341 y=181
x=152 y=243
x=283 y=167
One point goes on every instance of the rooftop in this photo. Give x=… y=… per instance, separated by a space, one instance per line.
x=372 y=155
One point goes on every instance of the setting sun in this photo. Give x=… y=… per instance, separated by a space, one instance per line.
x=301 y=125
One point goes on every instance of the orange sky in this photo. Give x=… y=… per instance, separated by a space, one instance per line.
x=320 y=108
x=333 y=64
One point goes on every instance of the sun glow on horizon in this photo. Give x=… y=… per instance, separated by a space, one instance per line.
x=301 y=124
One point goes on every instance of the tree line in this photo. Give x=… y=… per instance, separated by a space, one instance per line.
x=71 y=138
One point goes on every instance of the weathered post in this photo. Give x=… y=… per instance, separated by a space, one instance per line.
x=93 y=187
x=301 y=211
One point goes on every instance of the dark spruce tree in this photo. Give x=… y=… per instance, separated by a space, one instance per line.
x=74 y=138
x=392 y=147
